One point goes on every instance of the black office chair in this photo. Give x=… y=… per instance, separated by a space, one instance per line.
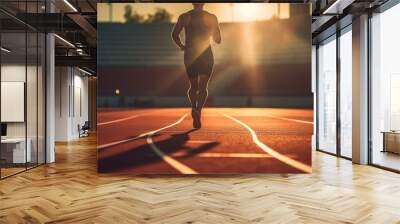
x=84 y=130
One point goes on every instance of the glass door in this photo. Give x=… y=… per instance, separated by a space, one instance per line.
x=14 y=153
x=345 y=92
x=326 y=96
x=22 y=88
x=385 y=89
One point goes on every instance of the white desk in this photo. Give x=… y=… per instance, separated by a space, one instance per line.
x=17 y=147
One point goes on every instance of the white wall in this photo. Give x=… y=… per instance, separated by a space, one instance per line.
x=16 y=73
x=62 y=81
x=79 y=102
x=13 y=100
x=71 y=94
x=33 y=126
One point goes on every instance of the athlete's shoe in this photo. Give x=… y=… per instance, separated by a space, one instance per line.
x=196 y=119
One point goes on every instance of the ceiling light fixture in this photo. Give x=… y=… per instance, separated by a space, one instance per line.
x=70 y=5
x=64 y=40
x=337 y=7
x=84 y=71
x=5 y=50
x=333 y=6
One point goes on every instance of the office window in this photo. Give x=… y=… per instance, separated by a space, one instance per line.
x=327 y=95
x=385 y=89
x=346 y=93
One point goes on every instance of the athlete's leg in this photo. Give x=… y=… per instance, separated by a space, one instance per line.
x=193 y=98
x=192 y=91
x=203 y=91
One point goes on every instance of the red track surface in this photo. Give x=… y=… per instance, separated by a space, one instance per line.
x=220 y=146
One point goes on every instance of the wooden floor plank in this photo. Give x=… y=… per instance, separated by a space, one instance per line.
x=71 y=191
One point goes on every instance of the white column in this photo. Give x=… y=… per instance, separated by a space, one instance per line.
x=50 y=93
x=360 y=90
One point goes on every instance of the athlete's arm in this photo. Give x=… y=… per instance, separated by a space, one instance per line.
x=216 y=32
x=176 y=31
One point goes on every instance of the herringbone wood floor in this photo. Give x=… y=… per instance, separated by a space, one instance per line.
x=71 y=191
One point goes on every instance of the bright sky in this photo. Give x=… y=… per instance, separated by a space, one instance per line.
x=226 y=12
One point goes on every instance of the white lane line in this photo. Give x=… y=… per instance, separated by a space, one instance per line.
x=118 y=120
x=291 y=162
x=290 y=119
x=198 y=142
x=141 y=135
x=174 y=163
x=224 y=155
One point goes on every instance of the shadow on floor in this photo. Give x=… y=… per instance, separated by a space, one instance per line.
x=144 y=155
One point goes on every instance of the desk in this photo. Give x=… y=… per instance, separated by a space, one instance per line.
x=391 y=141
x=13 y=150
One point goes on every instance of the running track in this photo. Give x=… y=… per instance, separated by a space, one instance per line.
x=232 y=140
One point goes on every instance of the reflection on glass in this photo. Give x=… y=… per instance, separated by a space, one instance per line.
x=385 y=93
x=14 y=153
x=22 y=92
x=327 y=96
x=41 y=98
x=31 y=100
x=346 y=94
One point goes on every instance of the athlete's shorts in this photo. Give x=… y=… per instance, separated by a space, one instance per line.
x=199 y=65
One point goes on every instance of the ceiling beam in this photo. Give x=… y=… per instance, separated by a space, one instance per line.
x=81 y=61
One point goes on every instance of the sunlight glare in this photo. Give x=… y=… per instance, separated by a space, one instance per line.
x=251 y=12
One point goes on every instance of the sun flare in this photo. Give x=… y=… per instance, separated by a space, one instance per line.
x=250 y=12
x=247 y=12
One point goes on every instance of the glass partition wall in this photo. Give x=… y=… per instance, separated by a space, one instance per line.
x=334 y=111
x=327 y=95
x=385 y=89
x=345 y=92
x=22 y=88
x=334 y=93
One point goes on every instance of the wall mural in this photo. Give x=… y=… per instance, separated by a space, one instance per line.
x=204 y=88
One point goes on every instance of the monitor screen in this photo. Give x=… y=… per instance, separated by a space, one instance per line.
x=3 y=129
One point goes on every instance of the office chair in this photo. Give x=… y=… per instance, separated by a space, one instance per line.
x=84 y=130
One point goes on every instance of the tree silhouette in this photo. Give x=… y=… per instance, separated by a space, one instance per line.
x=131 y=16
x=160 y=16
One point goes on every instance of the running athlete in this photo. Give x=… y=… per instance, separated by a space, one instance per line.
x=199 y=26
